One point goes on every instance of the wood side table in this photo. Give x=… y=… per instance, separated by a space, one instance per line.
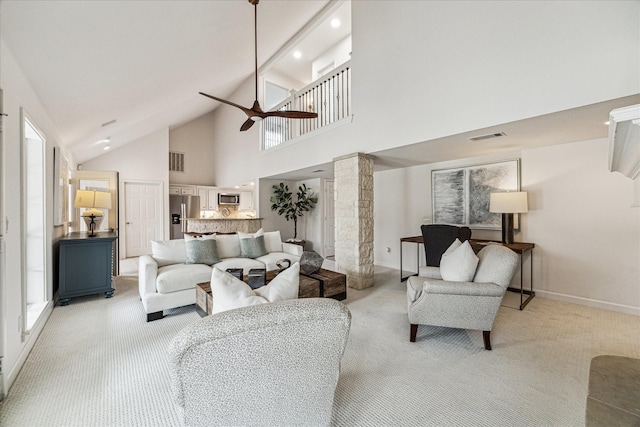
x=521 y=248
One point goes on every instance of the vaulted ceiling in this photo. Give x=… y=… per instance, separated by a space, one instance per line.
x=124 y=69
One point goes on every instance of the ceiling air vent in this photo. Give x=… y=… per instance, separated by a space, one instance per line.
x=176 y=161
x=487 y=136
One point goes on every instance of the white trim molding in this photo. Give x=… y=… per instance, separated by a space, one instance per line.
x=611 y=306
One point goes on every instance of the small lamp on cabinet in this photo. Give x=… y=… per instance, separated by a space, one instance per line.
x=507 y=204
x=93 y=201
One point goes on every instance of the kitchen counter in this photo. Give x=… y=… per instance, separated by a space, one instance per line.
x=223 y=225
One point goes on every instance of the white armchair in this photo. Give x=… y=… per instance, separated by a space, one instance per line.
x=265 y=365
x=464 y=305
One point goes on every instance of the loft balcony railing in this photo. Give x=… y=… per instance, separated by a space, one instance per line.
x=329 y=96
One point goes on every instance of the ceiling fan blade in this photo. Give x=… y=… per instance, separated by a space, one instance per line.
x=246 y=125
x=292 y=114
x=247 y=111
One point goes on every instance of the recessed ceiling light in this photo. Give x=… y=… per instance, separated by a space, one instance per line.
x=252 y=183
x=107 y=147
x=102 y=141
x=335 y=22
x=607 y=123
x=297 y=54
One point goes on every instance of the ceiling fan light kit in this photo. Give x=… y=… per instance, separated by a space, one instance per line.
x=255 y=113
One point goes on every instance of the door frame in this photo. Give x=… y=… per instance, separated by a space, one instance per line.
x=2 y=249
x=161 y=203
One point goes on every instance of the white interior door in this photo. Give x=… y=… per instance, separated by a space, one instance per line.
x=143 y=217
x=329 y=220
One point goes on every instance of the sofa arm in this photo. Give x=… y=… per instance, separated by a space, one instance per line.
x=147 y=274
x=292 y=249
x=463 y=288
x=429 y=272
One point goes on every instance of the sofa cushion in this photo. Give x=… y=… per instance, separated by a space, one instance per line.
x=229 y=293
x=167 y=252
x=245 y=264
x=252 y=247
x=228 y=245
x=270 y=259
x=273 y=241
x=459 y=262
x=202 y=251
x=177 y=277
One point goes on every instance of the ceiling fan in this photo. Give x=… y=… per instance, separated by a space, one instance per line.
x=255 y=113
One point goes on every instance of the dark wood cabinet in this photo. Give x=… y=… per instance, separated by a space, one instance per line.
x=85 y=265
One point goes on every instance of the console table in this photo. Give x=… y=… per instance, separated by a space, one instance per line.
x=85 y=265
x=520 y=248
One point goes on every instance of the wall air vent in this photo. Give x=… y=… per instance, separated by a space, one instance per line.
x=176 y=161
x=487 y=136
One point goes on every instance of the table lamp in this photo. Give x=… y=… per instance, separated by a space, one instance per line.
x=93 y=201
x=507 y=204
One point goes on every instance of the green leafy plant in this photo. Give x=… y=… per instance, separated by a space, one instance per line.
x=283 y=203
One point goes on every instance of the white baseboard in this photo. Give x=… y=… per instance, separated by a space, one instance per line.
x=628 y=309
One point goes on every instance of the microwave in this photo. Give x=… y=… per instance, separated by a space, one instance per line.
x=228 y=199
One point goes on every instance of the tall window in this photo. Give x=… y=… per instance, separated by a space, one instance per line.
x=34 y=230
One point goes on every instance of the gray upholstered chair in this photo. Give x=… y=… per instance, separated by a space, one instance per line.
x=464 y=305
x=268 y=364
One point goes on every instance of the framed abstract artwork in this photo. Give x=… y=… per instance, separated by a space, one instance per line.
x=460 y=196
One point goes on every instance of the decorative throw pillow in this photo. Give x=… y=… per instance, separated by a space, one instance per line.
x=167 y=252
x=229 y=293
x=252 y=247
x=258 y=233
x=228 y=245
x=273 y=241
x=202 y=252
x=459 y=262
x=198 y=236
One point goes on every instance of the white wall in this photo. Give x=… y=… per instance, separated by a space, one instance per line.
x=18 y=94
x=586 y=232
x=144 y=160
x=311 y=225
x=195 y=141
x=337 y=54
x=472 y=65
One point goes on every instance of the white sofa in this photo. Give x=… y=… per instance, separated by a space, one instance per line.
x=166 y=281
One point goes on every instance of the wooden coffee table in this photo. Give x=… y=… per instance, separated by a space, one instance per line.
x=309 y=287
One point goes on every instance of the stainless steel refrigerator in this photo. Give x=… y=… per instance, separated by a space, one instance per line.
x=181 y=207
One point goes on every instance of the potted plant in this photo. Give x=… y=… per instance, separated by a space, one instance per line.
x=282 y=202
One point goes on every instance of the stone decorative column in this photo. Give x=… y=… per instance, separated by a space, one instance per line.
x=353 y=178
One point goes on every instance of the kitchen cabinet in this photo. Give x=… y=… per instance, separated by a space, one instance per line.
x=184 y=190
x=208 y=198
x=246 y=200
x=85 y=265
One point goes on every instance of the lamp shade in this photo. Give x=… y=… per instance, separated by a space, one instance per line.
x=508 y=202
x=84 y=199
x=102 y=200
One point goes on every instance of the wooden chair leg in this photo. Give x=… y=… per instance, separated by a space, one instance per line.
x=414 y=332
x=487 y=339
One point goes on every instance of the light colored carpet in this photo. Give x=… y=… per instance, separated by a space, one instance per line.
x=98 y=363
